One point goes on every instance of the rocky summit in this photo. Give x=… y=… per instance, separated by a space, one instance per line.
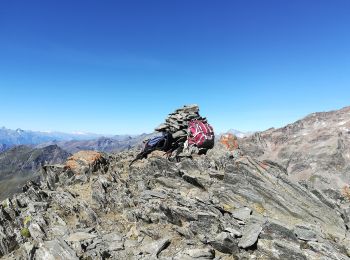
x=222 y=205
x=177 y=124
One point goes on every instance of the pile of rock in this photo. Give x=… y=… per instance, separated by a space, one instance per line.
x=177 y=123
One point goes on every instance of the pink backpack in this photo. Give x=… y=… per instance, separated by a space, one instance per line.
x=200 y=134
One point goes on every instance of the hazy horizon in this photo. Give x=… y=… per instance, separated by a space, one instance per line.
x=145 y=132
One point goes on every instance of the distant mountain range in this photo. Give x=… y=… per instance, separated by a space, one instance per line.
x=102 y=144
x=25 y=137
x=10 y=138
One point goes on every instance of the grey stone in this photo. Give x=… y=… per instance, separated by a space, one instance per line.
x=58 y=231
x=36 y=232
x=242 y=213
x=250 y=235
x=217 y=175
x=149 y=194
x=197 y=253
x=271 y=249
x=156 y=247
x=131 y=243
x=225 y=243
x=193 y=179
x=273 y=230
x=51 y=174
x=37 y=206
x=305 y=233
x=326 y=249
x=114 y=241
x=185 y=232
x=233 y=231
x=79 y=236
x=55 y=249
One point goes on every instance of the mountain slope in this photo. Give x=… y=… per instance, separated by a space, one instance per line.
x=21 y=163
x=315 y=149
x=102 y=144
x=216 y=205
x=3 y=147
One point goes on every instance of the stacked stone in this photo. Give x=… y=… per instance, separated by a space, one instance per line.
x=177 y=122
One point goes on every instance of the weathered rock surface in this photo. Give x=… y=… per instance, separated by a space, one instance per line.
x=22 y=163
x=315 y=149
x=78 y=168
x=250 y=235
x=96 y=207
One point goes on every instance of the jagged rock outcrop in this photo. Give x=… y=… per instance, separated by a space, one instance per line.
x=78 y=168
x=315 y=149
x=22 y=163
x=215 y=206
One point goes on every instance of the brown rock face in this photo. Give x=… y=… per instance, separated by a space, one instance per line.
x=83 y=159
x=229 y=141
x=315 y=149
x=78 y=168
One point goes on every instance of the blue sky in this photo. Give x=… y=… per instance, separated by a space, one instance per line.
x=121 y=66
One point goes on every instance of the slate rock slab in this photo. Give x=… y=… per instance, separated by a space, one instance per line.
x=305 y=233
x=225 y=243
x=250 y=235
x=156 y=247
x=196 y=254
x=242 y=213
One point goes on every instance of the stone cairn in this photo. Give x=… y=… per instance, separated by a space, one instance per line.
x=177 y=123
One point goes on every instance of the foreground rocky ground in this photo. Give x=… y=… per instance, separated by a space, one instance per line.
x=222 y=205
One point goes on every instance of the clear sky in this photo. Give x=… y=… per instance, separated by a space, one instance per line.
x=119 y=67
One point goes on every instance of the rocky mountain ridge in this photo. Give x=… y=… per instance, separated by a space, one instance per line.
x=102 y=144
x=22 y=163
x=315 y=149
x=222 y=205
